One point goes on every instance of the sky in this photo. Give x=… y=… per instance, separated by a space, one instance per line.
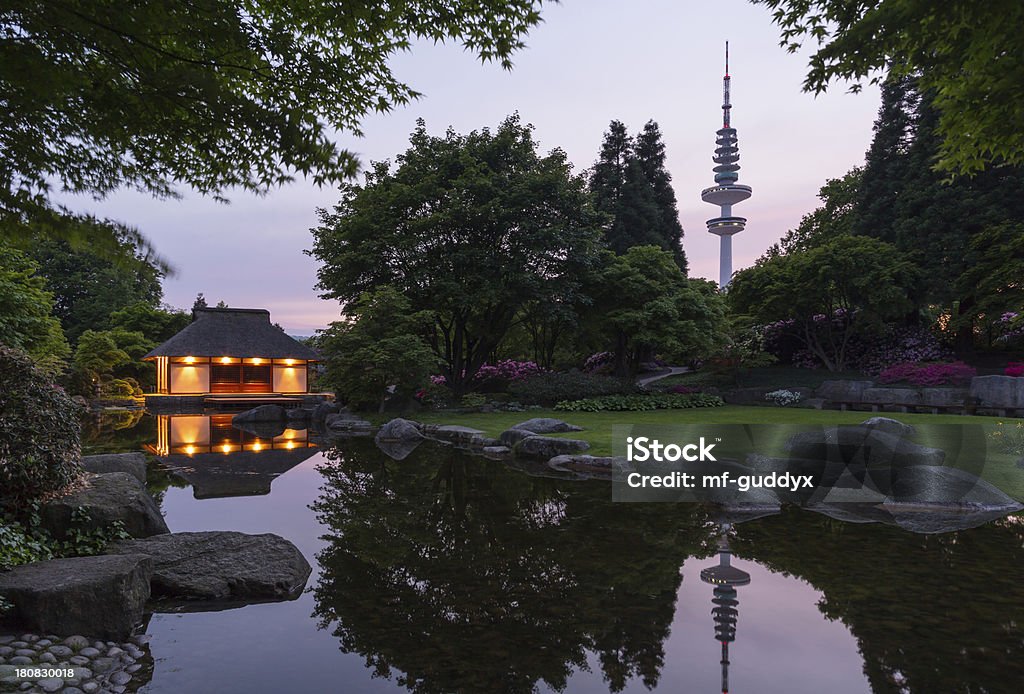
x=589 y=62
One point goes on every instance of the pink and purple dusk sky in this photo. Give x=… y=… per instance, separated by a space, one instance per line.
x=589 y=62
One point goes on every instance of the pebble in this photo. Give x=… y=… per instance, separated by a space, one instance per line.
x=25 y=686
x=83 y=673
x=47 y=658
x=133 y=668
x=25 y=651
x=78 y=660
x=114 y=652
x=6 y=650
x=43 y=643
x=61 y=651
x=99 y=645
x=2 y=660
x=31 y=638
x=121 y=678
x=90 y=687
x=89 y=652
x=71 y=690
x=102 y=664
x=18 y=644
x=4 y=640
x=139 y=640
x=50 y=684
x=76 y=642
x=21 y=660
x=134 y=652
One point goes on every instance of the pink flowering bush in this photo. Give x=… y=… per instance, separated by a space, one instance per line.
x=935 y=374
x=1010 y=327
x=901 y=346
x=508 y=370
x=1015 y=368
x=599 y=363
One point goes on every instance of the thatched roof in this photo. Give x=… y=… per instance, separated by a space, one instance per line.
x=233 y=332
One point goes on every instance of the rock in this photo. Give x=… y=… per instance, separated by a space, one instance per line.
x=889 y=426
x=109 y=497
x=221 y=565
x=496 y=452
x=510 y=437
x=79 y=660
x=263 y=413
x=297 y=415
x=43 y=643
x=50 y=684
x=121 y=678
x=891 y=396
x=944 y=397
x=585 y=463
x=47 y=658
x=263 y=430
x=89 y=652
x=548 y=447
x=346 y=423
x=61 y=651
x=22 y=643
x=6 y=651
x=76 y=643
x=102 y=664
x=25 y=651
x=20 y=660
x=453 y=433
x=399 y=429
x=71 y=690
x=90 y=687
x=114 y=652
x=103 y=595
x=998 y=392
x=132 y=463
x=321 y=411
x=546 y=425
x=843 y=391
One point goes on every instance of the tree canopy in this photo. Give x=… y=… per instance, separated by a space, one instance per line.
x=469 y=227
x=26 y=306
x=969 y=54
x=102 y=94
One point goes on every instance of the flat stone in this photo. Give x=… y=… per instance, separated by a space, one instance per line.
x=43 y=643
x=132 y=463
x=102 y=664
x=50 y=684
x=548 y=447
x=546 y=425
x=30 y=638
x=78 y=660
x=25 y=651
x=6 y=651
x=47 y=658
x=121 y=678
x=497 y=452
x=20 y=660
x=21 y=643
x=89 y=652
x=100 y=595
x=222 y=565
x=510 y=437
x=61 y=651
x=889 y=426
x=109 y=497
x=76 y=643
x=6 y=639
x=135 y=667
x=90 y=687
x=114 y=652
x=83 y=673
x=71 y=690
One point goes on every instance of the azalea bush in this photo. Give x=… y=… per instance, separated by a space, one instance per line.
x=1010 y=328
x=40 y=434
x=1014 y=368
x=936 y=374
x=640 y=403
x=899 y=345
x=549 y=388
x=599 y=363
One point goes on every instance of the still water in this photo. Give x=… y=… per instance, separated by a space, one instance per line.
x=448 y=573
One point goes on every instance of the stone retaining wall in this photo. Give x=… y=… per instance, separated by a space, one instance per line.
x=997 y=395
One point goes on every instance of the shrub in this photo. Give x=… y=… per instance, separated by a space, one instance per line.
x=120 y=389
x=473 y=400
x=937 y=374
x=17 y=547
x=549 y=388
x=39 y=433
x=1015 y=368
x=900 y=346
x=783 y=398
x=640 y=403
x=682 y=390
x=599 y=363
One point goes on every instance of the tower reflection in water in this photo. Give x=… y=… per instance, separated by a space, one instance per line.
x=725 y=577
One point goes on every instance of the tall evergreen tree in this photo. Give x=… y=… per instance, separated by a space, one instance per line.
x=650 y=154
x=629 y=183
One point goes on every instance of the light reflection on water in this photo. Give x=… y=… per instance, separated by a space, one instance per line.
x=446 y=573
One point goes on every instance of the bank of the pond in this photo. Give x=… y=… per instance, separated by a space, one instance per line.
x=1001 y=469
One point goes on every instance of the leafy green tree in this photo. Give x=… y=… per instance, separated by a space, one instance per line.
x=846 y=286
x=379 y=352
x=101 y=95
x=472 y=228
x=26 y=320
x=88 y=286
x=967 y=53
x=645 y=304
x=993 y=282
x=106 y=354
x=155 y=323
x=836 y=216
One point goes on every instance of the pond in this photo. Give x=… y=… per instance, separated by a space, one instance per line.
x=449 y=573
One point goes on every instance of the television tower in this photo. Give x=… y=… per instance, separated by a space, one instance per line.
x=725 y=578
x=726 y=192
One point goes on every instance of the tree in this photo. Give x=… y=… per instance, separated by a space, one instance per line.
x=647 y=305
x=107 y=354
x=100 y=94
x=156 y=324
x=471 y=228
x=26 y=320
x=650 y=155
x=993 y=282
x=968 y=55
x=630 y=184
x=88 y=286
x=379 y=352
x=836 y=216
x=828 y=294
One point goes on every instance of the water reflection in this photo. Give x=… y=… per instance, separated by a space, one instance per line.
x=725 y=578
x=219 y=459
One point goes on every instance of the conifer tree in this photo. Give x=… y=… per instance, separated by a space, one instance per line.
x=650 y=154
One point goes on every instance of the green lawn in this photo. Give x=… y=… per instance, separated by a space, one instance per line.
x=598 y=428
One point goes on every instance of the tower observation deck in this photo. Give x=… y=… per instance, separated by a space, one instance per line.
x=726 y=192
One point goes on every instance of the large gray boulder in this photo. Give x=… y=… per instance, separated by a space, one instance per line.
x=546 y=425
x=454 y=434
x=263 y=413
x=346 y=423
x=105 y=498
x=399 y=429
x=132 y=463
x=889 y=426
x=548 y=447
x=321 y=411
x=221 y=565
x=510 y=437
x=104 y=596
